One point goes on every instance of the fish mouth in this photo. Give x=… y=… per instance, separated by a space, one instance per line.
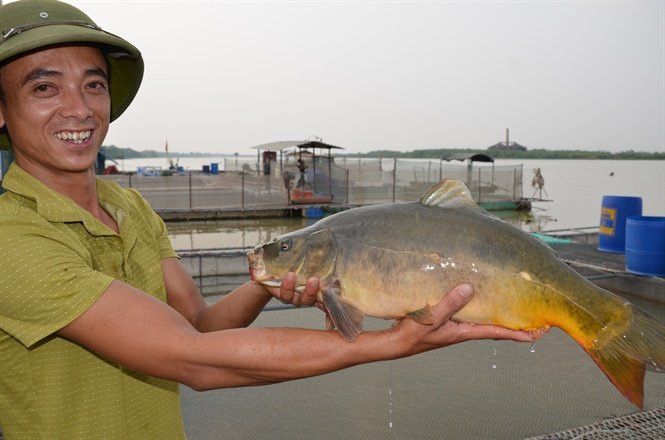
x=258 y=272
x=257 y=269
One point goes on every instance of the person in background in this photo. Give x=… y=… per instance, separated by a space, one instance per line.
x=99 y=321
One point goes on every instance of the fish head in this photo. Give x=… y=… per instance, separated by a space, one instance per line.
x=307 y=253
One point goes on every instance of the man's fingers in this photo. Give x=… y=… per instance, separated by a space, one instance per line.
x=453 y=302
x=288 y=287
x=311 y=291
x=289 y=293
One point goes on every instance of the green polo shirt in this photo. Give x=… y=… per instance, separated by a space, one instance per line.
x=56 y=261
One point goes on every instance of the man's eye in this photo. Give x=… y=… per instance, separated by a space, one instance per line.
x=97 y=85
x=42 y=88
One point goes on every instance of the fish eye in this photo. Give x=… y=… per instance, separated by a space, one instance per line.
x=285 y=245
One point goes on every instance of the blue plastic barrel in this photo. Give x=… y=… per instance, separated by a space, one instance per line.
x=613 y=214
x=314 y=212
x=645 y=245
x=214 y=169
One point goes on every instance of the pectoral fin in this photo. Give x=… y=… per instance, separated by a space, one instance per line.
x=423 y=316
x=347 y=319
x=329 y=324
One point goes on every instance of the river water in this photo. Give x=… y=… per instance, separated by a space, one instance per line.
x=574 y=190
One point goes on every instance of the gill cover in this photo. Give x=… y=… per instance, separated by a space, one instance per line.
x=305 y=253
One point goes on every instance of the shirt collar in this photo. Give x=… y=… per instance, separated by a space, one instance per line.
x=58 y=208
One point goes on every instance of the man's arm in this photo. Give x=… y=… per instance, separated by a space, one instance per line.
x=134 y=329
x=236 y=309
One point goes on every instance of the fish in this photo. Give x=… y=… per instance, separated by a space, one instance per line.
x=397 y=260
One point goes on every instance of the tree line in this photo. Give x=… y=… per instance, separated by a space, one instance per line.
x=117 y=153
x=113 y=152
x=442 y=153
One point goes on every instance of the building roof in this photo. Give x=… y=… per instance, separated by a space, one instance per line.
x=479 y=157
x=283 y=145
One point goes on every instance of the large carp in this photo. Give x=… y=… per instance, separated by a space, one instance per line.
x=397 y=260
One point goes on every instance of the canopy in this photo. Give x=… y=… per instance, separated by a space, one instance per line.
x=283 y=145
x=470 y=157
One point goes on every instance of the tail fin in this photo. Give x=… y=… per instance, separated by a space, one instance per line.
x=626 y=357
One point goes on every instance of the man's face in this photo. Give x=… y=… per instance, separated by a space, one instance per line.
x=56 y=108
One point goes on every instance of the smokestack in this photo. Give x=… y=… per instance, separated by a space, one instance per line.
x=507 y=136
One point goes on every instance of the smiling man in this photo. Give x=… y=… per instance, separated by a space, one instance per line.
x=60 y=110
x=99 y=322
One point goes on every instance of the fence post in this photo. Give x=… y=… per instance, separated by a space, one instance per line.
x=347 y=186
x=440 y=169
x=130 y=180
x=242 y=190
x=190 y=189
x=514 y=183
x=394 y=177
x=480 y=184
x=201 y=274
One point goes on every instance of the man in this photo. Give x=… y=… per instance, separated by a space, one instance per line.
x=98 y=319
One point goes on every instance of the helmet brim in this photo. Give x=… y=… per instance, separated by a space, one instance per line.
x=124 y=60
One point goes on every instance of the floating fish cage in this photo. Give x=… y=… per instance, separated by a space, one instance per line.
x=216 y=271
x=345 y=182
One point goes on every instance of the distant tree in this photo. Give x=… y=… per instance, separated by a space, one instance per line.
x=538 y=153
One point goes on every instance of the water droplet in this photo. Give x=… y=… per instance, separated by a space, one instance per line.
x=390 y=394
x=532 y=349
x=494 y=366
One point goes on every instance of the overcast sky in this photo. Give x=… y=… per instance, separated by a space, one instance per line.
x=225 y=76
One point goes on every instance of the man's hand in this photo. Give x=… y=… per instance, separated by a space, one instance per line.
x=288 y=294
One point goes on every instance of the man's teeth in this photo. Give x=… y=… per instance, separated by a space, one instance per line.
x=78 y=137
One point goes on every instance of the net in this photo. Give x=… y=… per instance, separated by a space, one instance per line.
x=646 y=425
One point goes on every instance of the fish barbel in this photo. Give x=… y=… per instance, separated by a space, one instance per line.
x=397 y=260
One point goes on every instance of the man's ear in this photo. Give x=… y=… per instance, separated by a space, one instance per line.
x=2 y=104
x=2 y=118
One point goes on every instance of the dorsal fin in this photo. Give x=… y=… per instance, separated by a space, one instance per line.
x=448 y=194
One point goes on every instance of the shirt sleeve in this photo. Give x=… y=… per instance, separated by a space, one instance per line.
x=46 y=281
x=162 y=235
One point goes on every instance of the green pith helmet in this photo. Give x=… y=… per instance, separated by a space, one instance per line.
x=26 y=25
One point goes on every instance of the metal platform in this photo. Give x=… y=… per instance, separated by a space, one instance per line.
x=608 y=270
